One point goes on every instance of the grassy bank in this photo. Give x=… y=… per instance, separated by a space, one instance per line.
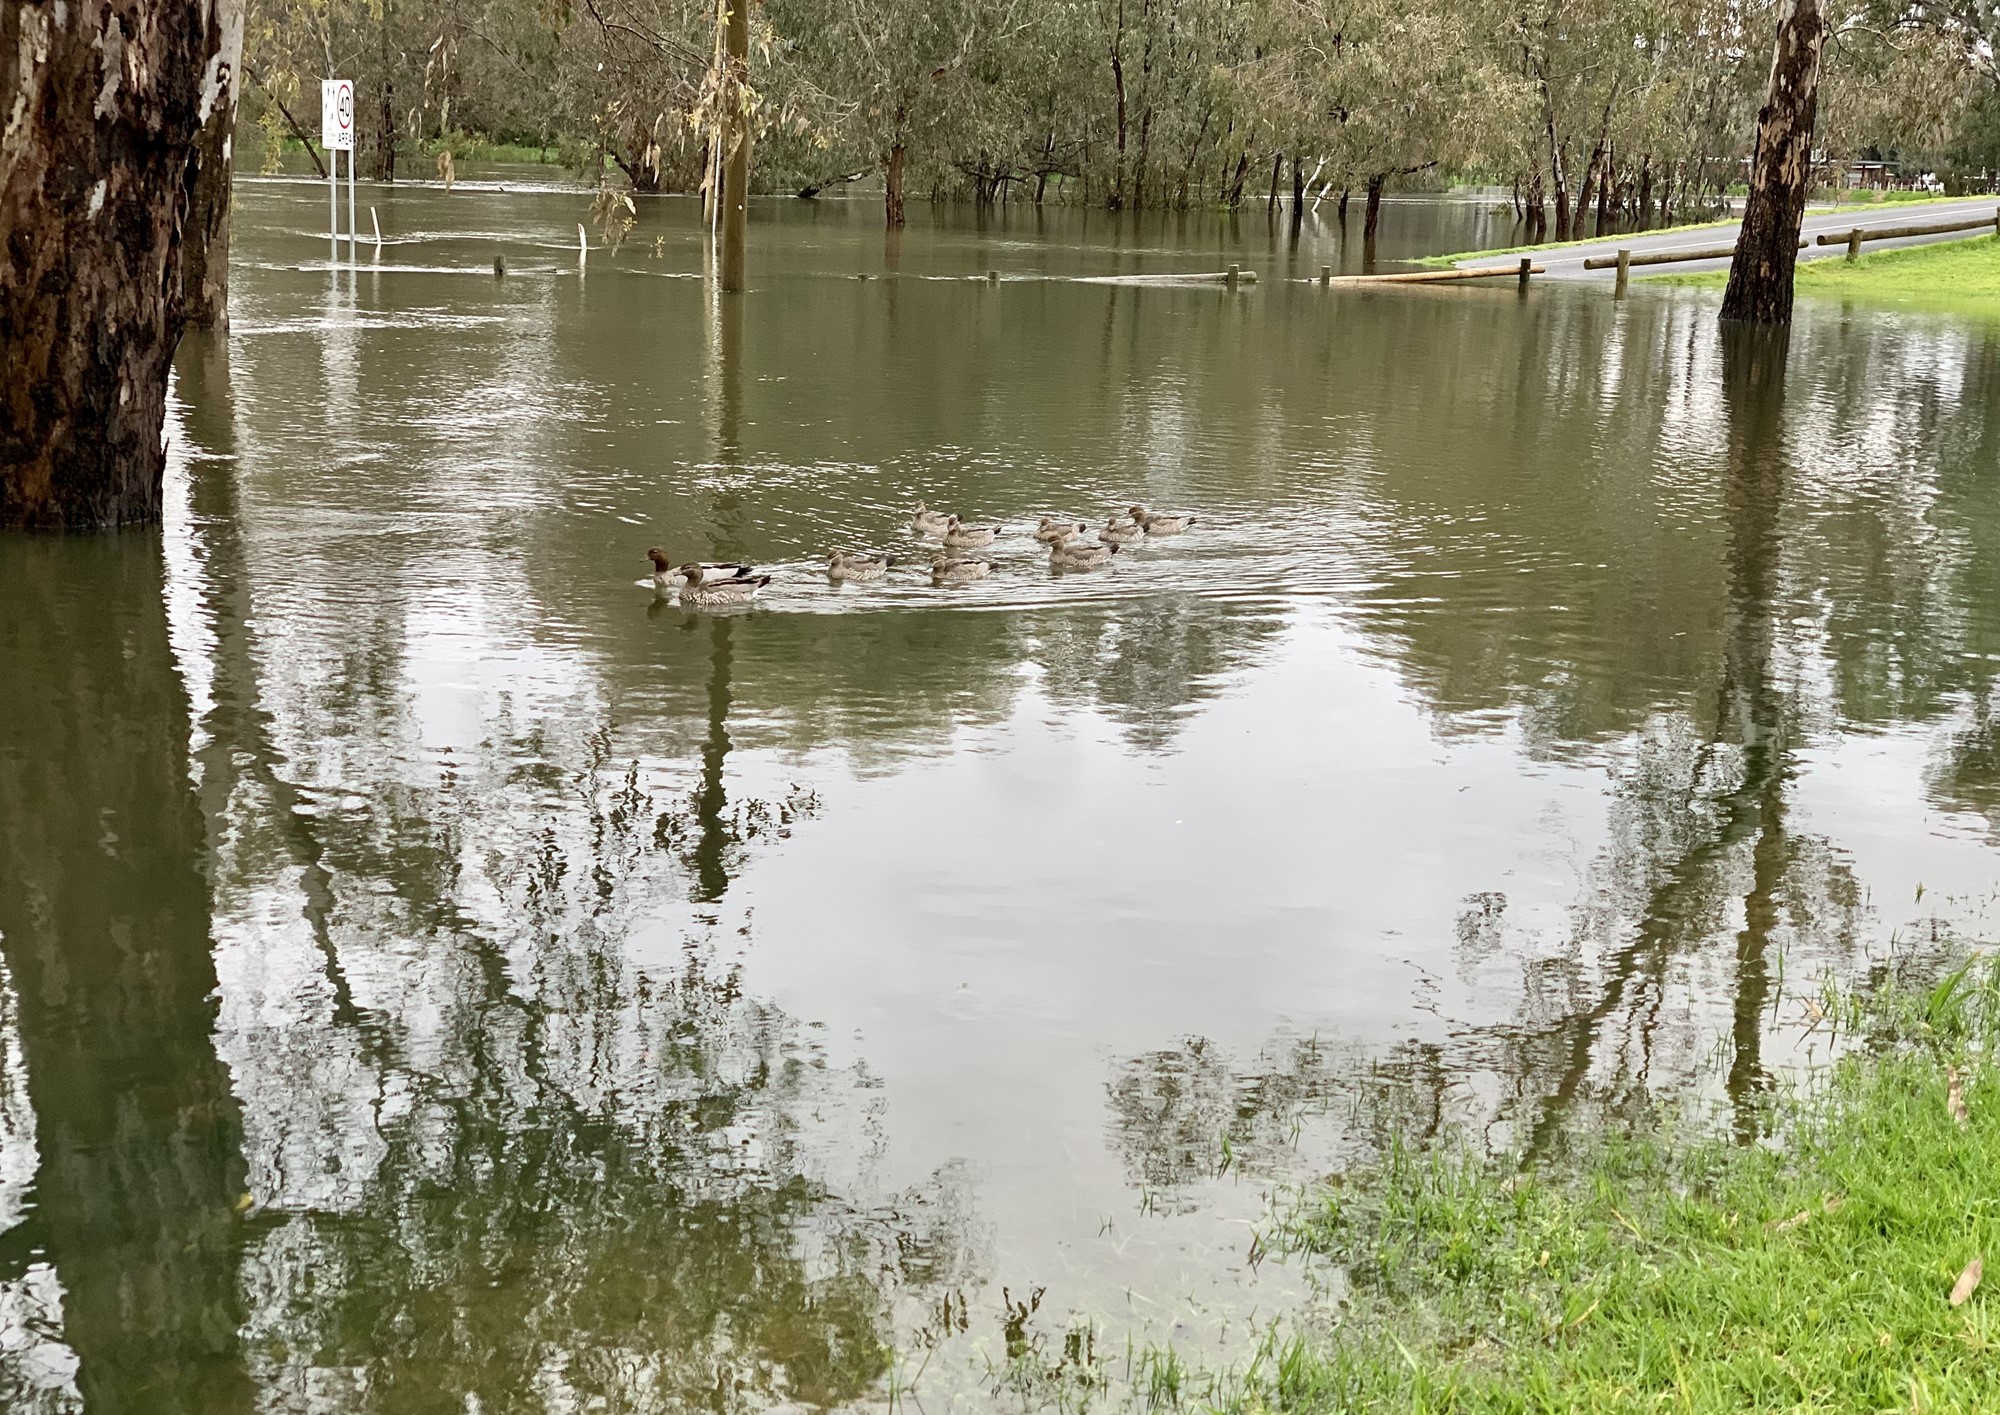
x=1813 y=1272
x=1950 y=275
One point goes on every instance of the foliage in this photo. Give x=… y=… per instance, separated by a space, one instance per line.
x=1830 y=1268
x=1637 y=110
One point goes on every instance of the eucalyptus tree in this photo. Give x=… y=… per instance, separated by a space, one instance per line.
x=104 y=103
x=1760 y=273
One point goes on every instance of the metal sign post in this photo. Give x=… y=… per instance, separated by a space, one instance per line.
x=336 y=135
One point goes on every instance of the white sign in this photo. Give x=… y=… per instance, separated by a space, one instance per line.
x=336 y=114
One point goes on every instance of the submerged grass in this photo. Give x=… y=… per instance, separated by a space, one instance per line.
x=1962 y=276
x=1824 y=1268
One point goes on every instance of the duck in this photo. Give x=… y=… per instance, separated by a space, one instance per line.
x=1117 y=532
x=932 y=524
x=1078 y=555
x=1054 y=532
x=667 y=576
x=696 y=590
x=954 y=571
x=842 y=566
x=959 y=536
x=1159 y=523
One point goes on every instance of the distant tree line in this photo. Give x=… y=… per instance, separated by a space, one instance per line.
x=1638 y=110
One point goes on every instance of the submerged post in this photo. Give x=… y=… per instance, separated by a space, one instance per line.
x=1235 y=273
x=1527 y=269
x=1624 y=272
x=1854 y=244
x=1326 y=275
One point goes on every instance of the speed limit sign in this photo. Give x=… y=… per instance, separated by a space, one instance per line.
x=336 y=115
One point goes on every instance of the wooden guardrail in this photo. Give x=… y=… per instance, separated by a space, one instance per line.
x=1435 y=277
x=1853 y=238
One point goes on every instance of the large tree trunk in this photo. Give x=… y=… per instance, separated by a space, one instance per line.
x=1645 y=198
x=1760 y=275
x=892 y=189
x=1298 y=192
x=205 y=267
x=101 y=102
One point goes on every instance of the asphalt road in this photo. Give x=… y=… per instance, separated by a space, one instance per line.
x=1567 y=263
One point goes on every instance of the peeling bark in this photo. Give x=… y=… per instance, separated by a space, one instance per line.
x=100 y=106
x=1767 y=249
x=205 y=268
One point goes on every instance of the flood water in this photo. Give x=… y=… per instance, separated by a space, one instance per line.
x=440 y=975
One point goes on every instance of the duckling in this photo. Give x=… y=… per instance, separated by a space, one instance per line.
x=1054 y=532
x=700 y=592
x=1158 y=523
x=953 y=571
x=841 y=566
x=959 y=536
x=667 y=576
x=931 y=524
x=1076 y=555
x=1117 y=532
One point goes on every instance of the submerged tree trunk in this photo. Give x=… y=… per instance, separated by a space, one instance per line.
x=1277 y=171
x=205 y=268
x=385 y=121
x=1767 y=248
x=1373 y=216
x=736 y=154
x=101 y=110
x=1235 y=198
x=892 y=188
x=1117 y=197
x=1298 y=192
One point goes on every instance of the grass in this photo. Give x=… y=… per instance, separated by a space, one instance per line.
x=1961 y=276
x=1678 y=1271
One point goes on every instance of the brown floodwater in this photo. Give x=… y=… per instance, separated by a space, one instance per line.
x=439 y=974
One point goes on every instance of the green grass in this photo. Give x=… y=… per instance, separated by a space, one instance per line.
x=1680 y=1272
x=1952 y=276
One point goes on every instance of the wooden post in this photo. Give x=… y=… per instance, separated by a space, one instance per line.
x=1624 y=272
x=993 y=275
x=1527 y=268
x=1326 y=275
x=736 y=140
x=1996 y=221
x=1235 y=272
x=1854 y=244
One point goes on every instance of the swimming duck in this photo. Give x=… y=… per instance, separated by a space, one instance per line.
x=695 y=590
x=959 y=536
x=1117 y=532
x=953 y=571
x=667 y=576
x=1077 y=555
x=1158 y=523
x=841 y=566
x=1054 y=532
x=932 y=524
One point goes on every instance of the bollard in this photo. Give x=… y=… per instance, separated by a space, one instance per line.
x=1234 y=272
x=1326 y=275
x=1854 y=244
x=1624 y=273
x=993 y=275
x=1527 y=264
